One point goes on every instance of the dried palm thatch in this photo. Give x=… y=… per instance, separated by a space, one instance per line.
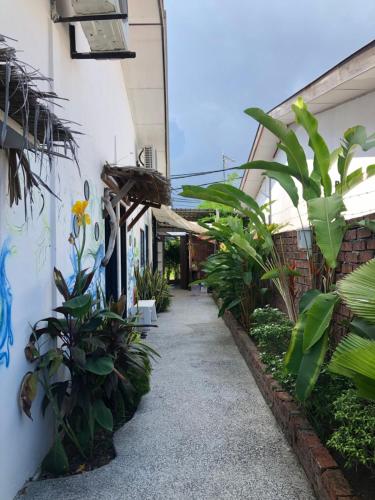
x=43 y=133
x=150 y=187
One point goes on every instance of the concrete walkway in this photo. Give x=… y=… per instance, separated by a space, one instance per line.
x=204 y=431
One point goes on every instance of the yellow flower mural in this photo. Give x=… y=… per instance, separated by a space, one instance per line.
x=79 y=209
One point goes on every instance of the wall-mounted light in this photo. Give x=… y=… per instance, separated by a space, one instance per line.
x=304 y=239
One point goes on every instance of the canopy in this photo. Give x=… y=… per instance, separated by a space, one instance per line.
x=167 y=217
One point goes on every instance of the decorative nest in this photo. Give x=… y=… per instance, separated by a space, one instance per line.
x=43 y=133
x=150 y=187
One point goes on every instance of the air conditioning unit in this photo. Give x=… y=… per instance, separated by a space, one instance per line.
x=106 y=35
x=148 y=157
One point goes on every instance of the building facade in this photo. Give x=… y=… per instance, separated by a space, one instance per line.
x=341 y=98
x=118 y=106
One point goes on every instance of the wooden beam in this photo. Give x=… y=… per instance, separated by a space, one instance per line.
x=111 y=183
x=138 y=216
x=129 y=212
x=113 y=225
x=123 y=192
x=150 y=203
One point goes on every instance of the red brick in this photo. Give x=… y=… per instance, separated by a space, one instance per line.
x=366 y=255
x=335 y=484
x=307 y=440
x=370 y=244
x=351 y=257
x=350 y=235
x=347 y=246
x=364 y=232
x=347 y=268
x=298 y=422
x=322 y=460
x=359 y=245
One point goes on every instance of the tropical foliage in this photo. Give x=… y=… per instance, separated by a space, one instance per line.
x=325 y=208
x=344 y=422
x=90 y=362
x=256 y=241
x=355 y=355
x=354 y=436
x=232 y=272
x=172 y=258
x=153 y=285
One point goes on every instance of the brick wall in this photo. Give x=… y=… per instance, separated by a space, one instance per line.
x=358 y=247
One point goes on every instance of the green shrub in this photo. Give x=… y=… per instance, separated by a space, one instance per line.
x=152 y=285
x=275 y=366
x=268 y=314
x=271 y=330
x=354 y=437
x=319 y=407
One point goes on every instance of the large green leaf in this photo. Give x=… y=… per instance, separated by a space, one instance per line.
x=357 y=290
x=103 y=415
x=318 y=318
x=287 y=183
x=310 y=367
x=200 y=193
x=355 y=358
x=56 y=461
x=307 y=300
x=271 y=166
x=293 y=149
x=294 y=354
x=351 y=181
x=353 y=137
x=316 y=142
x=100 y=366
x=237 y=194
x=77 y=307
x=244 y=245
x=363 y=328
x=325 y=214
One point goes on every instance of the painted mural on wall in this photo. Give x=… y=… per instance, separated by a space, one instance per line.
x=87 y=252
x=132 y=257
x=6 y=333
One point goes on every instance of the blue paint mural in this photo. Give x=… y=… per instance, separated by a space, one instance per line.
x=98 y=278
x=6 y=334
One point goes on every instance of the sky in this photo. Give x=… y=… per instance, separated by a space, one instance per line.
x=227 y=55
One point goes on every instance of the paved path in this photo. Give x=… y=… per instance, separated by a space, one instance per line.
x=204 y=432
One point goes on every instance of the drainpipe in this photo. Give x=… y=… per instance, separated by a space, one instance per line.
x=53 y=200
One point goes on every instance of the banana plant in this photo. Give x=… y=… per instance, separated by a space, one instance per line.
x=259 y=231
x=325 y=208
x=234 y=273
x=354 y=357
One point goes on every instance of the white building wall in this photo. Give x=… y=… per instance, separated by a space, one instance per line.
x=98 y=101
x=332 y=125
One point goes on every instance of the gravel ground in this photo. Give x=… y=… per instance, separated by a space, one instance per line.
x=203 y=432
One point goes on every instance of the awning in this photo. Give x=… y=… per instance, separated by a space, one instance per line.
x=136 y=186
x=168 y=218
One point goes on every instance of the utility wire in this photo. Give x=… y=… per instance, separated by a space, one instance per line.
x=195 y=174
x=199 y=185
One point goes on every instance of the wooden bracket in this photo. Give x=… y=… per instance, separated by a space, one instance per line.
x=123 y=192
x=129 y=212
x=138 y=216
x=113 y=225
